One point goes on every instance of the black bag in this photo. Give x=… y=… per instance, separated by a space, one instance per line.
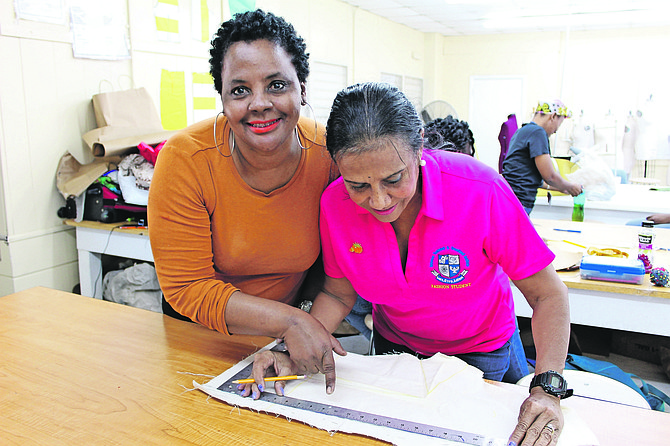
x=97 y=208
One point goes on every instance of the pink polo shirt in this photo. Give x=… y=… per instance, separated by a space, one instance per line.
x=470 y=235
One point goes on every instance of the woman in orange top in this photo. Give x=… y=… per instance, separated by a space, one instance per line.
x=234 y=201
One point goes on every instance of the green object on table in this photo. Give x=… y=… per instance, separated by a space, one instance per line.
x=578 y=208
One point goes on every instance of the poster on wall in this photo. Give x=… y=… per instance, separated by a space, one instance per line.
x=48 y=11
x=99 y=29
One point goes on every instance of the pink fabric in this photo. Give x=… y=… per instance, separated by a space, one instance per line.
x=108 y=194
x=470 y=217
x=150 y=153
x=507 y=130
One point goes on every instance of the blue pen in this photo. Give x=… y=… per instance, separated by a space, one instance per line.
x=567 y=230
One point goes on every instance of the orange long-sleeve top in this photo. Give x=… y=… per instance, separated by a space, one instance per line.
x=211 y=234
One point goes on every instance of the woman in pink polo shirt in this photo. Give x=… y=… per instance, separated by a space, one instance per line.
x=431 y=238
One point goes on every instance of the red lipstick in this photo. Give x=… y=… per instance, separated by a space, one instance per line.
x=263 y=126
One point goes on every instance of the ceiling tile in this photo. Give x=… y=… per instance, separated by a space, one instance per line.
x=464 y=17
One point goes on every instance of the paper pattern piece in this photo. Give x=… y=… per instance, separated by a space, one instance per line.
x=440 y=391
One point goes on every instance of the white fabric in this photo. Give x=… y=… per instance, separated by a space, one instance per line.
x=134 y=177
x=441 y=391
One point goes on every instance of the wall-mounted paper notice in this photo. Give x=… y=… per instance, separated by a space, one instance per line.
x=49 y=11
x=205 y=97
x=166 y=13
x=99 y=29
x=205 y=19
x=173 y=100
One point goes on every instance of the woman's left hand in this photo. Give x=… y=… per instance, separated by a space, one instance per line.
x=540 y=420
x=268 y=363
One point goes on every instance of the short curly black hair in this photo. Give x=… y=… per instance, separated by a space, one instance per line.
x=256 y=25
x=449 y=134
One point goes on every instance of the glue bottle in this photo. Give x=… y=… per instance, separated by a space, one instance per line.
x=645 y=241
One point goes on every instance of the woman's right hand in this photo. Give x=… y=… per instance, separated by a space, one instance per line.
x=573 y=189
x=311 y=348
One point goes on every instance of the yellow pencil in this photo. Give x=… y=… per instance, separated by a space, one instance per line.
x=576 y=244
x=269 y=379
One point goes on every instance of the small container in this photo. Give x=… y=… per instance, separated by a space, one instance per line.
x=578 y=207
x=612 y=269
x=645 y=243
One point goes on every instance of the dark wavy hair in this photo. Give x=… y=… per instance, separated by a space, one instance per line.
x=449 y=134
x=257 y=25
x=365 y=112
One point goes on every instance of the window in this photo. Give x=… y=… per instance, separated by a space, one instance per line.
x=324 y=82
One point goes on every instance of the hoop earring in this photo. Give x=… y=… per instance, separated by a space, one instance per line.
x=231 y=141
x=315 y=127
x=216 y=144
x=297 y=138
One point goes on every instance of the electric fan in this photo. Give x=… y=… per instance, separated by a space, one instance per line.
x=437 y=109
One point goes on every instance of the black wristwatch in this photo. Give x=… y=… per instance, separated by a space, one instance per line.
x=553 y=383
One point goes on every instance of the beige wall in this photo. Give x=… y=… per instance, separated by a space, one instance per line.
x=45 y=94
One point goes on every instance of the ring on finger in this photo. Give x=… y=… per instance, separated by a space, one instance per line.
x=550 y=428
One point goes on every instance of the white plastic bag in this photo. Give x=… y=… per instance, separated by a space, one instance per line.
x=135 y=174
x=136 y=286
x=595 y=176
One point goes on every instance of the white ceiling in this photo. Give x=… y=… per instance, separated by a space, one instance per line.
x=467 y=17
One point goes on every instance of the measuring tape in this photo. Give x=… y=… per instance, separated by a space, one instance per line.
x=365 y=417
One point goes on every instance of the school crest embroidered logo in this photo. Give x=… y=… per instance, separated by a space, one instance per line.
x=449 y=265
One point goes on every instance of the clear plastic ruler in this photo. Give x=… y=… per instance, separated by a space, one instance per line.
x=364 y=417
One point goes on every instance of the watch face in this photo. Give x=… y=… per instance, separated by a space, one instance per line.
x=552 y=383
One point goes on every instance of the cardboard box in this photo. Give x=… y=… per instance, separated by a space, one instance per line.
x=644 y=347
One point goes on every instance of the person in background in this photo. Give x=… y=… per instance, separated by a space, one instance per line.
x=660 y=221
x=234 y=200
x=450 y=134
x=432 y=238
x=528 y=164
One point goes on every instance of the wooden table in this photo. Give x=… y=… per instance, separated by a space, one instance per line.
x=75 y=370
x=641 y=308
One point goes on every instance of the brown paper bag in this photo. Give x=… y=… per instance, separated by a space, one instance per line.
x=126 y=108
x=72 y=178
x=125 y=119
x=115 y=141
